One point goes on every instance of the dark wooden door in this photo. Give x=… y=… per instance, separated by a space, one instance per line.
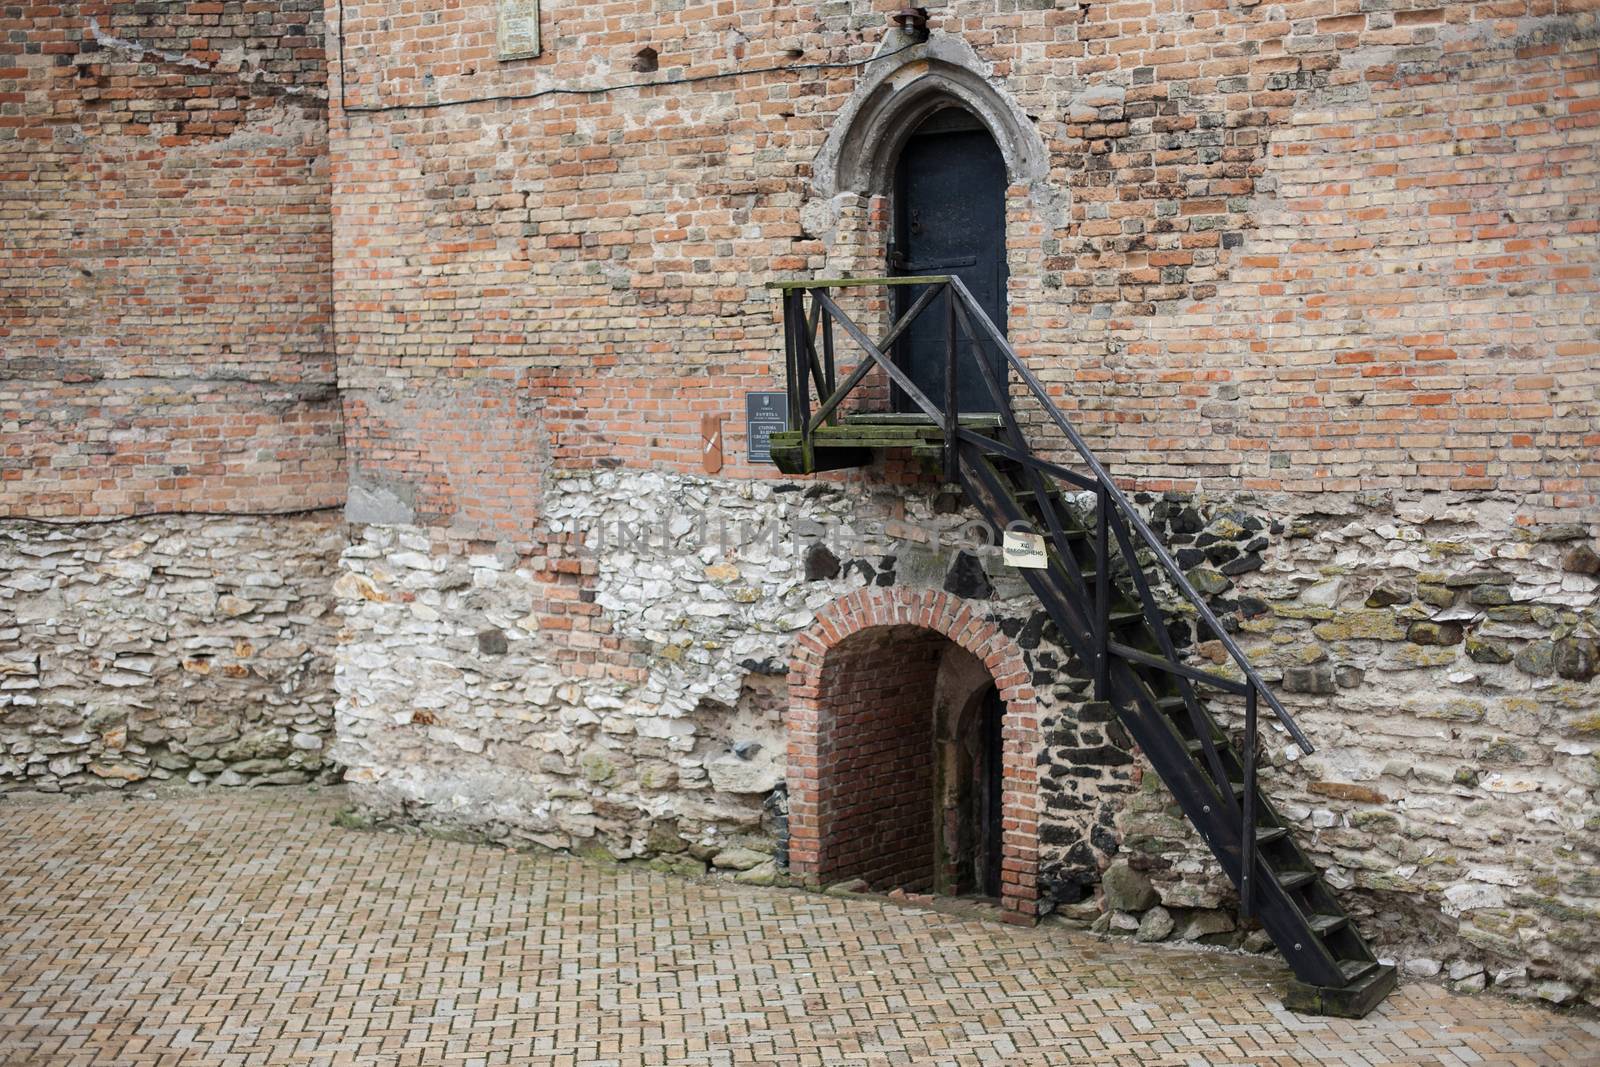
x=950 y=219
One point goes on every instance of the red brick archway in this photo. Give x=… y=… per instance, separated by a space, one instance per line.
x=830 y=682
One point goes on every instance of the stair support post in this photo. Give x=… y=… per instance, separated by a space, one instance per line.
x=1102 y=596
x=952 y=414
x=806 y=361
x=791 y=360
x=827 y=359
x=1247 y=843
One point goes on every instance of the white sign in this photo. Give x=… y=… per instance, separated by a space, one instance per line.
x=517 y=28
x=1024 y=550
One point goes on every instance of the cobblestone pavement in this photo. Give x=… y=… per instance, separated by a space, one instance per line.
x=244 y=928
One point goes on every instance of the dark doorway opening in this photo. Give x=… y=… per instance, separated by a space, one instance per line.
x=971 y=754
x=991 y=776
x=949 y=218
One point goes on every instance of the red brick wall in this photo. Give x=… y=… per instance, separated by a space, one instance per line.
x=165 y=260
x=877 y=807
x=1313 y=248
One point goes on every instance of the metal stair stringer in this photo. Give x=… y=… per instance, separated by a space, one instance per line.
x=1300 y=915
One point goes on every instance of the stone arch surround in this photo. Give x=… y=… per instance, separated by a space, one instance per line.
x=813 y=708
x=892 y=100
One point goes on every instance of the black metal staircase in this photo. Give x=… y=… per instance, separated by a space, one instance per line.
x=1098 y=590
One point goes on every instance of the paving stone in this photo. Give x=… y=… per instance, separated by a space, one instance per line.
x=239 y=928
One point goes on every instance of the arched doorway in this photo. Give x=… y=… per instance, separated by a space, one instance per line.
x=949 y=218
x=913 y=750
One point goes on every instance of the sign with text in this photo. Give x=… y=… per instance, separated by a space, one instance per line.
x=516 y=28
x=764 y=415
x=1024 y=550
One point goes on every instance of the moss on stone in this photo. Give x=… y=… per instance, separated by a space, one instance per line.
x=1361 y=625
x=1378 y=822
x=1503 y=750
x=1417 y=656
x=1436 y=595
x=597 y=768
x=1488 y=649
x=1589 y=725
x=1303 y=611
x=681 y=864
x=353 y=819
x=594 y=852
x=1456 y=711
x=1558 y=909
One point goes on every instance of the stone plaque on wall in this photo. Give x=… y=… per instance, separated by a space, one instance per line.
x=765 y=414
x=517 y=28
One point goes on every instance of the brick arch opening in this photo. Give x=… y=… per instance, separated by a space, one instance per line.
x=862 y=754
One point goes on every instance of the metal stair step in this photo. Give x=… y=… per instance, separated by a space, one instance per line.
x=1296 y=879
x=1022 y=492
x=1197 y=749
x=1323 y=925
x=1266 y=835
x=1354 y=970
x=1350 y=1000
x=1071 y=533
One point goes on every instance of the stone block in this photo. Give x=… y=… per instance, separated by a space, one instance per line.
x=1126 y=889
x=1156 y=925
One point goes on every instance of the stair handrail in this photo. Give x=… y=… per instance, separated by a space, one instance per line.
x=1105 y=483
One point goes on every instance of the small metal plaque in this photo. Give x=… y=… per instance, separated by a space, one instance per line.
x=516 y=28
x=1024 y=550
x=764 y=415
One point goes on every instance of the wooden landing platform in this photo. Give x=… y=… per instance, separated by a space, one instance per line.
x=852 y=442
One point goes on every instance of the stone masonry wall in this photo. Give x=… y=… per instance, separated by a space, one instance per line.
x=167 y=350
x=630 y=697
x=172 y=647
x=165 y=260
x=1443 y=660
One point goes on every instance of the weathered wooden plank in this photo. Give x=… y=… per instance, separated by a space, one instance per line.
x=792 y=460
x=852 y=283
x=916 y=418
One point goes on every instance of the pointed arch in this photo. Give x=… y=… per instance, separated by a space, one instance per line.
x=890 y=103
